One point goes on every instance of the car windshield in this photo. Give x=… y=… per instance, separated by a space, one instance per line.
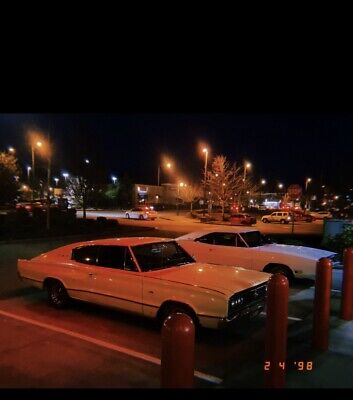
x=154 y=256
x=255 y=239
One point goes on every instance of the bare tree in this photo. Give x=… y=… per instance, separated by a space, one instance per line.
x=77 y=189
x=190 y=194
x=224 y=180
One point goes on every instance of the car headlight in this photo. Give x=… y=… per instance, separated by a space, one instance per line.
x=236 y=301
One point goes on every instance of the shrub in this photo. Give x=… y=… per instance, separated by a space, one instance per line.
x=341 y=241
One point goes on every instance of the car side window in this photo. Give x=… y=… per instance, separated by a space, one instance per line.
x=117 y=257
x=224 y=239
x=85 y=254
x=206 y=239
x=239 y=242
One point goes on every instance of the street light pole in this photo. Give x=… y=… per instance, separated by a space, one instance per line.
x=48 y=183
x=205 y=150
x=159 y=174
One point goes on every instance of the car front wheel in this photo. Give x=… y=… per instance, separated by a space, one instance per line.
x=265 y=220
x=281 y=269
x=127 y=216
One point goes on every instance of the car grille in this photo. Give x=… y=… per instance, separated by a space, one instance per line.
x=249 y=297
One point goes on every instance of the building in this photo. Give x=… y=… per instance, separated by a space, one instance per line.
x=166 y=194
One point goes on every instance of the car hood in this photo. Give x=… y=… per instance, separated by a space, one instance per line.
x=309 y=253
x=224 y=279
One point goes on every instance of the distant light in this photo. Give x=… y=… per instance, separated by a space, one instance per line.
x=65 y=175
x=323 y=186
x=336 y=197
x=216 y=175
x=50 y=189
x=39 y=144
x=308 y=180
x=280 y=185
x=24 y=187
x=86 y=160
x=251 y=200
x=28 y=168
x=205 y=150
x=157 y=197
x=169 y=165
x=114 y=178
x=263 y=182
x=11 y=150
x=247 y=192
x=247 y=165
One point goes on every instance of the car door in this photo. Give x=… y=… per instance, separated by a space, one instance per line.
x=217 y=248
x=116 y=281
x=78 y=280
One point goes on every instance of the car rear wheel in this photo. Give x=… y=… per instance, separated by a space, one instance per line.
x=265 y=220
x=141 y=217
x=127 y=216
x=282 y=221
x=57 y=294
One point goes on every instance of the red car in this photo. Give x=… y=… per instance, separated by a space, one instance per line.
x=242 y=219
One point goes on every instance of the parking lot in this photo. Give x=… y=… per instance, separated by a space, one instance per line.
x=91 y=346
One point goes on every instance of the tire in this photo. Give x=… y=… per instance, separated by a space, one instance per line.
x=282 y=221
x=57 y=294
x=281 y=269
x=127 y=216
x=141 y=217
x=265 y=220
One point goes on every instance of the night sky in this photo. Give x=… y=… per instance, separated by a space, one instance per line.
x=283 y=148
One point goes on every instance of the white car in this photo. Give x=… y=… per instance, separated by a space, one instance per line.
x=247 y=248
x=153 y=277
x=321 y=214
x=282 y=217
x=143 y=212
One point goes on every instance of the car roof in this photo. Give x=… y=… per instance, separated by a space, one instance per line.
x=123 y=241
x=225 y=229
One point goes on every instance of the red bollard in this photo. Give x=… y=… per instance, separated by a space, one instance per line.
x=321 y=313
x=347 y=285
x=178 y=352
x=276 y=331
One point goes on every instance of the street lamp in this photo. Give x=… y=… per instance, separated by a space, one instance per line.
x=263 y=183
x=180 y=185
x=307 y=181
x=65 y=175
x=38 y=144
x=247 y=166
x=28 y=172
x=205 y=150
x=56 y=181
x=11 y=150
x=168 y=165
x=114 y=179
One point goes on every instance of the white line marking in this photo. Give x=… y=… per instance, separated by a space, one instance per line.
x=107 y=345
x=291 y=318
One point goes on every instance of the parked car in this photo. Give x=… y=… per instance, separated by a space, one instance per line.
x=301 y=216
x=242 y=219
x=321 y=214
x=247 y=248
x=143 y=212
x=282 y=217
x=153 y=277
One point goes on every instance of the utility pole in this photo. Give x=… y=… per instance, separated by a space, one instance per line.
x=48 y=183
